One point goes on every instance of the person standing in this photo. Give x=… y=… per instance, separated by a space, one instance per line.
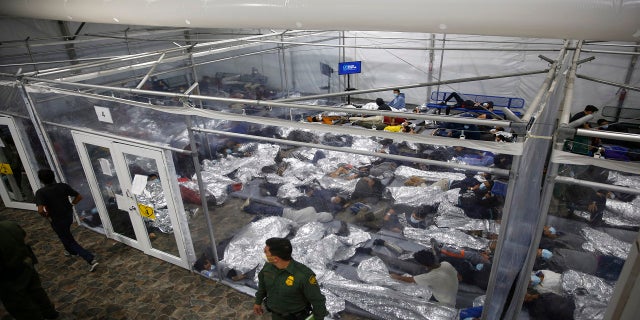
x=21 y=291
x=53 y=203
x=288 y=288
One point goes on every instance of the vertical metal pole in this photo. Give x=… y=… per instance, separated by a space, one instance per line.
x=627 y=80
x=203 y=193
x=195 y=79
x=35 y=65
x=440 y=68
x=432 y=55
x=341 y=58
x=348 y=88
x=49 y=152
x=284 y=65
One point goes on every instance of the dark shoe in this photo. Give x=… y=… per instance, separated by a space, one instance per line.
x=69 y=254
x=364 y=250
x=53 y=315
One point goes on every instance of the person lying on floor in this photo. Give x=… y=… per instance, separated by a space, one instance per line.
x=349 y=172
x=300 y=216
x=322 y=200
x=560 y=260
x=415 y=217
x=552 y=239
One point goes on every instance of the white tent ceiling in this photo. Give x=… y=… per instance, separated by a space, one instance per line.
x=611 y=20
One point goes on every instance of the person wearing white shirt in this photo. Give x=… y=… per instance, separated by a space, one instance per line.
x=442 y=278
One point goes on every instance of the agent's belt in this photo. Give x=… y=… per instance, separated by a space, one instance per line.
x=299 y=315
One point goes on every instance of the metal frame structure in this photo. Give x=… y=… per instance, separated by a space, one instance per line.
x=500 y=304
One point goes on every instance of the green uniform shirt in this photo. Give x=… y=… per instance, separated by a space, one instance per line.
x=290 y=290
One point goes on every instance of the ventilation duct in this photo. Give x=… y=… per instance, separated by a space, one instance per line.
x=610 y=20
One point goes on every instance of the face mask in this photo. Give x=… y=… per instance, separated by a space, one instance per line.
x=605 y=126
x=552 y=230
x=483 y=186
x=479 y=266
x=535 y=280
x=546 y=254
x=395 y=94
x=414 y=220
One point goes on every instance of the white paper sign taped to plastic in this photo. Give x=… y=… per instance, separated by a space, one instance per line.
x=105 y=166
x=138 y=184
x=103 y=114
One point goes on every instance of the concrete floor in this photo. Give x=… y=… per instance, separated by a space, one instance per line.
x=127 y=284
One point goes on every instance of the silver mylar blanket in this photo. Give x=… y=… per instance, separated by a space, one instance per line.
x=600 y=242
x=245 y=250
x=445 y=236
x=154 y=197
x=590 y=292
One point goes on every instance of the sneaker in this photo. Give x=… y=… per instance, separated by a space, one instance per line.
x=93 y=265
x=246 y=203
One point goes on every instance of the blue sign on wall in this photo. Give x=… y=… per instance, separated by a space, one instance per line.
x=349 y=67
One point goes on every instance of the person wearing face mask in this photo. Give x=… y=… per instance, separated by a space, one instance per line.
x=288 y=289
x=398 y=100
x=419 y=218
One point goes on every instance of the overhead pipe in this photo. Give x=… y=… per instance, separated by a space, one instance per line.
x=612 y=83
x=551 y=18
x=405 y=48
x=630 y=53
x=579 y=122
x=622 y=136
x=596 y=185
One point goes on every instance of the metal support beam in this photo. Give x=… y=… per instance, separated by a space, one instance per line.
x=415 y=85
x=445 y=164
x=203 y=193
x=611 y=83
x=150 y=72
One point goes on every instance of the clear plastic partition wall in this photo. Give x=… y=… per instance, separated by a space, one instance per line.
x=357 y=208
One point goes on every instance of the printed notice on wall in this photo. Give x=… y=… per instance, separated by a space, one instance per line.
x=146 y=211
x=5 y=168
x=138 y=184
x=105 y=166
x=104 y=114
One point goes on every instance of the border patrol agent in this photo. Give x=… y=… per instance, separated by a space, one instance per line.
x=289 y=287
x=20 y=288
